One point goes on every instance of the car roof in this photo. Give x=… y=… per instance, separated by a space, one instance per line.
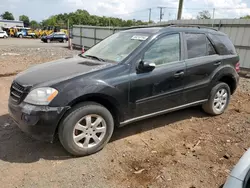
x=146 y=30
x=174 y=28
x=59 y=33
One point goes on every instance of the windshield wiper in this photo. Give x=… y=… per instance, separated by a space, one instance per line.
x=94 y=57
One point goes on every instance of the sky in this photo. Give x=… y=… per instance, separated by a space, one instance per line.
x=126 y=9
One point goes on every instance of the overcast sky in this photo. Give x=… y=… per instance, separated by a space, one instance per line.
x=126 y=9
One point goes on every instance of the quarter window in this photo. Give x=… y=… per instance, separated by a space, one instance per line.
x=164 y=50
x=210 y=48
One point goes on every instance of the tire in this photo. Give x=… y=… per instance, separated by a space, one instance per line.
x=79 y=115
x=64 y=40
x=5 y=37
x=210 y=106
x=20 y=36
x=48 y=41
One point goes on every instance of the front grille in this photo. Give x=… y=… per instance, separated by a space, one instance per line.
x=17 y=92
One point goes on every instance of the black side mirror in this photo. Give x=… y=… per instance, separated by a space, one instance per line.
x=145 y=66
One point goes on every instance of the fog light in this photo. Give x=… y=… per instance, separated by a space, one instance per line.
x=29 y=119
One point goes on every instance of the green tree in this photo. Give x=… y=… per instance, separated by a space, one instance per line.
x=34 y=24
x=204 y=15
x=7 y=16
x=25 y=19
x=82 y=17
x=245 y=17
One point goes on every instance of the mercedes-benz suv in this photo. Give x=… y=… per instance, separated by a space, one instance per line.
x=129 y=76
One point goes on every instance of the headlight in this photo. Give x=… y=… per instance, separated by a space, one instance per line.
x=41 y=96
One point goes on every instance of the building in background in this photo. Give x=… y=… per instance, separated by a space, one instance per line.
x=6 y=24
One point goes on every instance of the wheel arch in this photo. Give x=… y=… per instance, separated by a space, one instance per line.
x=108 y=102
x=226 y=75
x=230 y=81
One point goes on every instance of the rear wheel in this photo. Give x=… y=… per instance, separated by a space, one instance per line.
x=48 y=41
x=86 y=129
x=218 y=100
x=64 y=40
x=20 y=36
x=5 y=37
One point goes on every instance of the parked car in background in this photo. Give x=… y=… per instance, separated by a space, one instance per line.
x=24 y=32
x=240 y=175
x=55 y=37
x=129 y=76
x=3 y=34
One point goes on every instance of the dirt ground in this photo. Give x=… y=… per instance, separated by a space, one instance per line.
x=184 y=149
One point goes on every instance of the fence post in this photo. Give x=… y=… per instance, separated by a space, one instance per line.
x=81 y=36
x=95 y=35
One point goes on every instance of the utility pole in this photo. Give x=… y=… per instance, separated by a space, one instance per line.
x=213 y=17
x=149 y=16
x=180 y=9
x=161 y=13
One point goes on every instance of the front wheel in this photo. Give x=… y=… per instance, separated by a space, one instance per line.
x=48 y=40
x=218 y=100
x=86 y=129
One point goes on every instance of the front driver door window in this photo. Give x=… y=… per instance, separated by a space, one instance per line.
x=160 y=89
x=166 y=50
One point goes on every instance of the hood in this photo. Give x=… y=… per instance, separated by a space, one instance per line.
x=61 y=69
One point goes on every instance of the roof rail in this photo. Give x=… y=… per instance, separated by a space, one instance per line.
x=197 y=26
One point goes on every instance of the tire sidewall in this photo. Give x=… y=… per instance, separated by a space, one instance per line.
x=214 y=92
x=68 y=124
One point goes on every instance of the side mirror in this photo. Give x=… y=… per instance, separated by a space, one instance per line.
x=145 y=66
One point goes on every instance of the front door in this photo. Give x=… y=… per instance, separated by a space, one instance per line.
x=161 y=88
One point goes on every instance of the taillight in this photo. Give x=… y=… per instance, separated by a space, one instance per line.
x=237 y=67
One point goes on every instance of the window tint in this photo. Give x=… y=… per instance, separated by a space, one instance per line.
x=164 y=50
x=223 y=44
x=196 y=45
x=1 y=32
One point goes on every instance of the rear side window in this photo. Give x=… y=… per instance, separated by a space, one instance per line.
x=196 y=45
x=223 y=44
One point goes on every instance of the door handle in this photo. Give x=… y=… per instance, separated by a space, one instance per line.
x=179 y=74
x=217 y=64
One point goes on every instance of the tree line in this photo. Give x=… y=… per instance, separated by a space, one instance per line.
x=82 y=17
x=79 y=17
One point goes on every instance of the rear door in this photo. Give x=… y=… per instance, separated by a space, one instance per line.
x=160 y=89
x=201 y=61
x=53 y=38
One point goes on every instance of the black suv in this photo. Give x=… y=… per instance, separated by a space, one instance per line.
x=59 y=37
x=131 y=75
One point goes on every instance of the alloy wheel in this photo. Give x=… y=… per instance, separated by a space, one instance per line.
x=89 y=131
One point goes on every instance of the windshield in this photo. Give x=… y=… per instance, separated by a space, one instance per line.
x=117 y=47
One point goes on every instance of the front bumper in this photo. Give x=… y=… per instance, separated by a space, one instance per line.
x=38 y=121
